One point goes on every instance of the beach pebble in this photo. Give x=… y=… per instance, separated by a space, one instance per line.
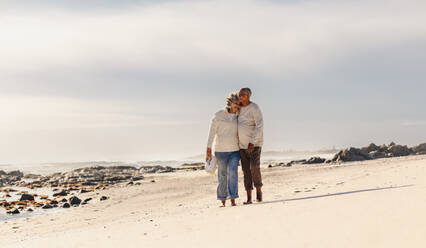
x=15 y=211
x=47 y=206
x=103 y=198
x=27 y=197
x=62 y=193
x=74 y=201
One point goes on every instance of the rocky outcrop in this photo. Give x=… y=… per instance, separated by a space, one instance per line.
x=373 y=151
x=420 y=149
x=398 y=151
x=351 y=154
x=10 y=177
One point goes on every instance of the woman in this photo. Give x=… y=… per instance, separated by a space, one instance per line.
x=224 y=127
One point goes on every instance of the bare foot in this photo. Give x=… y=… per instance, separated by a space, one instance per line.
x=223 y=204
x=233 y=202
x=247 y=202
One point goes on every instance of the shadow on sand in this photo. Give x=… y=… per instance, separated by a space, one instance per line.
x=336 y=194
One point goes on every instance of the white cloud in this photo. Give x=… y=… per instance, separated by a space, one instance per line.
x=268 y=38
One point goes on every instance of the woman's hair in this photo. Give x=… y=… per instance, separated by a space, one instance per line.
x=233 y=96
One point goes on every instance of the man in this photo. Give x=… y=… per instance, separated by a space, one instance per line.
x=250 y=134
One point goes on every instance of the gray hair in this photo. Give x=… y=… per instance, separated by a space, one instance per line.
x=248 y=90
x=233 y=96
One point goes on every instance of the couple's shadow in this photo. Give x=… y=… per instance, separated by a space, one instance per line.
x=335 y=194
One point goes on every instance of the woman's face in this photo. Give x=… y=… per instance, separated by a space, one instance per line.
x=235 y=106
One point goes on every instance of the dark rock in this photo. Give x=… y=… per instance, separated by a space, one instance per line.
x=377 y=154
x=351 y=154
x=84 y=191
x=192 y=164
x=15 y=211
x=47 y=206
x=87 y=200
x=398 y=150
x=103 y=198
x=16 y=173
x=30 y=210
x=138 y=178
x=74 y=201
x=370 y=148
x=66 y=205
x=293 y=162
x=383 y=148
x=89 y=183
x=54 y=202
x=420 y=149
x=62 y=193
x=114 y=179
x=27 y=197
x=64 y=200
x=315 y=160
x=157 y=169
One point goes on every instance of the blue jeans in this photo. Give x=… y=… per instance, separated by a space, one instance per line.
x=227 y=172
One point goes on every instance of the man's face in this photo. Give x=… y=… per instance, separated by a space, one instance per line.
x=244 y=96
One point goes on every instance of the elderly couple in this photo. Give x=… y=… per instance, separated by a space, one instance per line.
x=238 y=130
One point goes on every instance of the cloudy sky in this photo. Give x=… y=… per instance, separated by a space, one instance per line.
x=136 y=80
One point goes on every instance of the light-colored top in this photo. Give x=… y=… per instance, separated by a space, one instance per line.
x=250 y=126
x=224 y=127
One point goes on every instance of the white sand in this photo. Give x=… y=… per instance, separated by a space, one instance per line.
x=379 y=203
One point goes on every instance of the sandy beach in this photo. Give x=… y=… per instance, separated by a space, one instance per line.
x=377 y=203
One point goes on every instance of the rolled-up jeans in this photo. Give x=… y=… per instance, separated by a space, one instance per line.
x=227 y=170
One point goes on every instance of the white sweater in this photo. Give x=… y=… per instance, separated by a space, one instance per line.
x=250 y=126
x=224 y=127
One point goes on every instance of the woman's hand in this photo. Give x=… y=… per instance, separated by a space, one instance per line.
x=209 y=154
